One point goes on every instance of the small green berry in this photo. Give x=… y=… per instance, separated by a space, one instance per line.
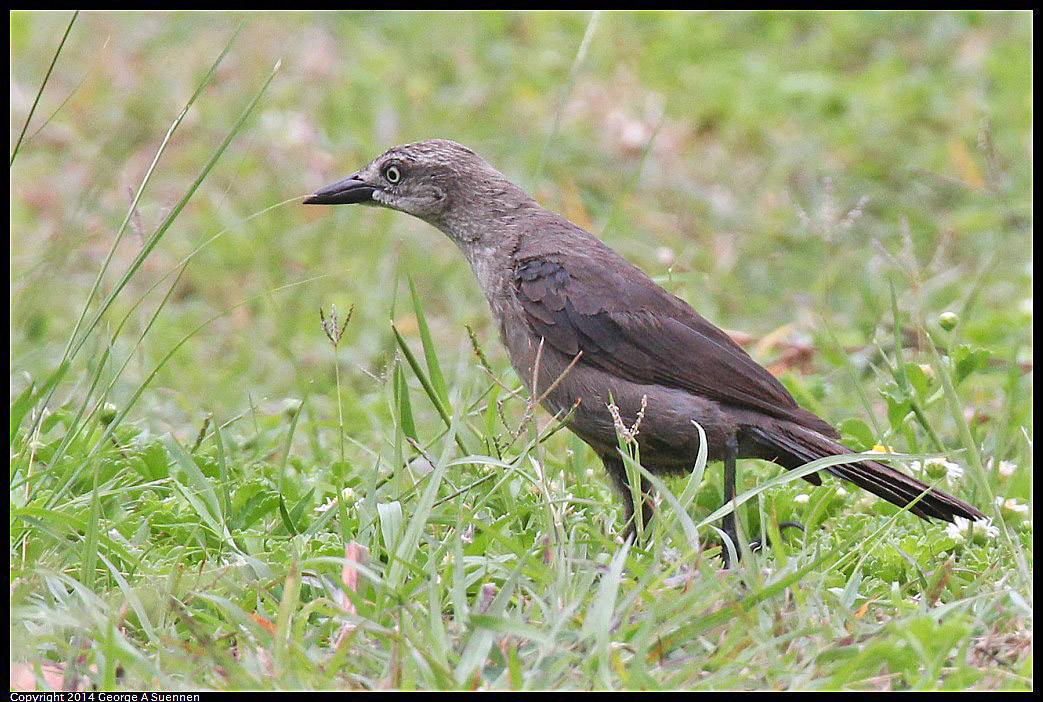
x=948 y=320
x=107 y=414
x=291 y=406
x=935 y=469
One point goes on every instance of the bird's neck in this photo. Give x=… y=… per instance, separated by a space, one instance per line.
x=491 y=260
x=488 y=233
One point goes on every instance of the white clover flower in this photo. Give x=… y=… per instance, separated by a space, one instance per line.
x=963 y=529
x=1004 y=468
x=991 y=531
x=953 y=471
x=841 y=492
x=347 y=495
x=665 y=255
x=937 y=467
x=1012 y=505
x=958 y=529
x=801 y=499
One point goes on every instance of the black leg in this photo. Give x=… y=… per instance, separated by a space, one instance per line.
x=616 y=469
x=728 y=523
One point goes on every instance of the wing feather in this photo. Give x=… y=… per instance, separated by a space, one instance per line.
x=627 y=325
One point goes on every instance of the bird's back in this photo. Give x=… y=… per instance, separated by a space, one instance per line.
x=581 y=295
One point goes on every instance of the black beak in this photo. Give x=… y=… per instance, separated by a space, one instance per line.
x=348 y=191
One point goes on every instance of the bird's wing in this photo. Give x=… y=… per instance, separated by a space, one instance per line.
x=627 y=325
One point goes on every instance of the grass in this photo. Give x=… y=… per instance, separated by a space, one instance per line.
x=208 y=491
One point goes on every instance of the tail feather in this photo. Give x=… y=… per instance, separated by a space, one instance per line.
x=795 y=446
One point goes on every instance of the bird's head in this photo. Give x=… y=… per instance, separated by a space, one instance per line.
x=435 y=180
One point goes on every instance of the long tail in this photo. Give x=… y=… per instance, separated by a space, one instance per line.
x=794 y=446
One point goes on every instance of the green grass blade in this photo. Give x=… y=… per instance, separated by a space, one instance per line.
x=410 y=540
x=88 y=562
x=29 y=398
x=425 y=382
x=577 y=63
x=433 y=368
x=46 y=78
x=390 y=515
x=403 y=409
x=598 y=620
x=200 y=490
x=432 y=394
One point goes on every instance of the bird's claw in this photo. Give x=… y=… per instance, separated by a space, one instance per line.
x=756 y=544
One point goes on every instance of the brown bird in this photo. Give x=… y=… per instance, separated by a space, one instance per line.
x=565 y=299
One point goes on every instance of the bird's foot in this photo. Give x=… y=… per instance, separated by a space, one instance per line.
x=756 y=545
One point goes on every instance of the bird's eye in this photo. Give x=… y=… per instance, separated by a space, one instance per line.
x=392 y=174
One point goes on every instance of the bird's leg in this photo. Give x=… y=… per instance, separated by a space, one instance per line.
x=616 y=469
x=728 y=523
